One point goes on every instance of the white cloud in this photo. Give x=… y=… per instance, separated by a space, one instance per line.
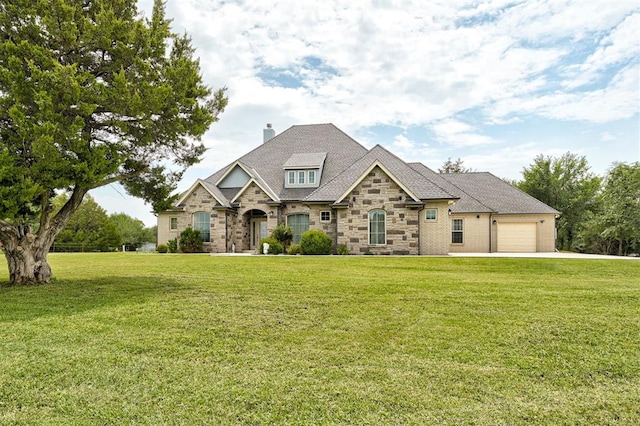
x=412 y=63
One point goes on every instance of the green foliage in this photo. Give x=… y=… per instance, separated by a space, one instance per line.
x=454 y=167
x=162 y=248
x=322 y=340
x=315 y=242
x=172 y=245
x=89 y=229
x=616 y=227
x=565 y=184
x=293 y=249
x=131 y=230
x=342 y=250
x=190 y=241
x=92 y=93
x=274 y=246
x=283 y=234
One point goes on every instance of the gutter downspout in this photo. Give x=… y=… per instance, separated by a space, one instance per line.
x=490 y=229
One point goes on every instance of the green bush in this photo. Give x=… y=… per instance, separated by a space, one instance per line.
x=172 y=246
x=342 y=250
x=315 y=242
x=283 y=234
x=274 y=246
x=190 y=241
x=293 y=249
x=162 y=248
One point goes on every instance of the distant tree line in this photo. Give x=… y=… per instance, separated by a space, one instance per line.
x=598 y=214
x=91 y=229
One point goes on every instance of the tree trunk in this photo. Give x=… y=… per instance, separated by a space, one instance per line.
x=27 y=260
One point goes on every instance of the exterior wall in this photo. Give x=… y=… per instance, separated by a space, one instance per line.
x=481 y=235
x=378 y=191
x=200 y=200
x=435 y=234
x=164 y=222
x=313 y=211
x=476 y=232
x=253 y=198
x=545 y=229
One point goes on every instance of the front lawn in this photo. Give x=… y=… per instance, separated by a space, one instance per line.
x=128 y=338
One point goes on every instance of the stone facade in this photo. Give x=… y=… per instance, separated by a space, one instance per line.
x=377 y=191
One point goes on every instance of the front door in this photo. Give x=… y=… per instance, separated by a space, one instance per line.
x=258 y=231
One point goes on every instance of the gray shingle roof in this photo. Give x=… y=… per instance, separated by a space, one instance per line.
x=345 y=161
x=305 y=160
x=493 y=193
x=421 y=187
x=269 y=158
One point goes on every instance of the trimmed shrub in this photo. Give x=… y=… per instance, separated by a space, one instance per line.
x=315 y=242
x=294 y=249
x=190 y=241
x=162 y=248
x=274 y=246
x=283 y=234
x=342 y=250
x=172 y=246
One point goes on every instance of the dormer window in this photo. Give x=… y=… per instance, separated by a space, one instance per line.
x=304 y=170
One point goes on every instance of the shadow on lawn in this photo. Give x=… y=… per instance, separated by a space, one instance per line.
x=71 y=297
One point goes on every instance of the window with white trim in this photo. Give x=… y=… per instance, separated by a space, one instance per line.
x=173 y=223
x=312 y=177
x=457 y=231
x=325 y=216
x=301 y=178
x=377 y=227
x=299 y=224
x=292 y=178
x=431 y=214
x=202 y=223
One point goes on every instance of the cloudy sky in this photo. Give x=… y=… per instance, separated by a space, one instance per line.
x=494 y=83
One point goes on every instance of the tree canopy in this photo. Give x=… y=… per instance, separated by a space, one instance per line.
x=456 y=166
x=91 y=93
x=565 y=184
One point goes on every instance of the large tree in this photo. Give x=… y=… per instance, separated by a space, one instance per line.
x=616 y=230
x=89 y=228
x=131 y=230
x=456 y=166
x=91 y=93
x=565 y=184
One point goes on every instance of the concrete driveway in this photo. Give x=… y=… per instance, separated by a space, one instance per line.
x=555 y=255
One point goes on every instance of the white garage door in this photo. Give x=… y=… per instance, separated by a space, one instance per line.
x=517 y=237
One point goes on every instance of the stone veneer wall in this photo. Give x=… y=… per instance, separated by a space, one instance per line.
x=378 y=191
x=200 y=200
x=253 y=198
x=313 y=211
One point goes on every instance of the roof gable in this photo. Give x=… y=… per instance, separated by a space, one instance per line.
x=412 y=182
x=268 y=159
x=235 y=176
x=211 y=189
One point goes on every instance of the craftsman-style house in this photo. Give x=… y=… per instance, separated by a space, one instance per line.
x=368 y=200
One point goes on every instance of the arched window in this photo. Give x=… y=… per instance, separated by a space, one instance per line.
x=202 y=223
x=299 y=224
x=377 y=227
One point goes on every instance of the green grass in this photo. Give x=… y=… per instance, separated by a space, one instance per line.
x=177 y=339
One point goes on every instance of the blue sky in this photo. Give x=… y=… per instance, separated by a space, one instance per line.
x=493 y=83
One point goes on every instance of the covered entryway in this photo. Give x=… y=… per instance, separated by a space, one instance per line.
x=517 y=237
x=256 y=221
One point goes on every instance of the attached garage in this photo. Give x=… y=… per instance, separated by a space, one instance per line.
x=517 y=237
